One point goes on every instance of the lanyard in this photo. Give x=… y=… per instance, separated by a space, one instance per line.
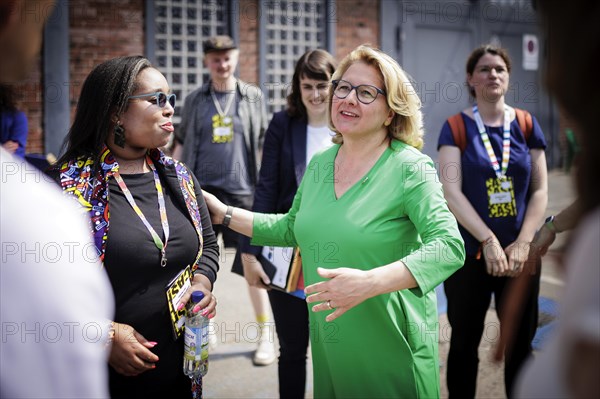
x=161 y=206
x=500 y=173
x=220 y=110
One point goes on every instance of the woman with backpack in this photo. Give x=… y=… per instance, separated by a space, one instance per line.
x=499 y=207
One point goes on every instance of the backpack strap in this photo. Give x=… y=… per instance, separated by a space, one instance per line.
x=457 y=125
x=525 y=122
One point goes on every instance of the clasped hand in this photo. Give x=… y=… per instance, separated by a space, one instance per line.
x=508 y=262
x=345 y=289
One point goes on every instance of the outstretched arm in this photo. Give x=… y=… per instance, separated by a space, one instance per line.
x=346 y=287
x=240 y=220
x=564 y=220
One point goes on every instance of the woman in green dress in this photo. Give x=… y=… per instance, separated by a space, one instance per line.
x=376 y=238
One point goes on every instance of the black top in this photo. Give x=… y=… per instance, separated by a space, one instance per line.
x=132 y=262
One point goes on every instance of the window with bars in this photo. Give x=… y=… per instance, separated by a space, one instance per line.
x=290 y=29
x=180 y=28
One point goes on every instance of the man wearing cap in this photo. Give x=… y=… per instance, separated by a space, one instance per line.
x=220 y=138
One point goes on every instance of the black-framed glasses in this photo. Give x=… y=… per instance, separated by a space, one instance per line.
x=159 y=98
x=366 y=94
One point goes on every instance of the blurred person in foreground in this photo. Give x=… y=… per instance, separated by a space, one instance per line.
x=55 y=300
x=569 y=364
x=149 y=221
x=293 y=137
x=376 y=238
x=497 y=188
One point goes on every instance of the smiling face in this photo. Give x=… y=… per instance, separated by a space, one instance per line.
x=146 y=124
x=352 y=118
x=221 y=64
x=490 y=78
x=314 y=93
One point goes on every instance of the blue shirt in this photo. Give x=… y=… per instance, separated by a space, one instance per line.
x=13 y=126
x=477 y=168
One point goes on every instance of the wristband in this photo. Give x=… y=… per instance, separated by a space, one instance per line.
x=228 y=215
x=483 y=244
x=487 y=240
x=549 y=223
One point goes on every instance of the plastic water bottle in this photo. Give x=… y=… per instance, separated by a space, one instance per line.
x=195 y=351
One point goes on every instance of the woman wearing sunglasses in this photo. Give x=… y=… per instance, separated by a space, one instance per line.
x=148 y=218
x=376 y=238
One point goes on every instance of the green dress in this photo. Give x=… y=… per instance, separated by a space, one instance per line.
x=388 y=345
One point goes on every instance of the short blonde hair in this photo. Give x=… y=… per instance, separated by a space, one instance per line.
x=407 y=123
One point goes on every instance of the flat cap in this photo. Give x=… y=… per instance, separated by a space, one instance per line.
x=218 y=43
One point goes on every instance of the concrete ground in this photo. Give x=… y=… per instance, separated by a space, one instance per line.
x=232 y=374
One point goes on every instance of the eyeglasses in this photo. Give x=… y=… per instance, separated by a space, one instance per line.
x=159 y=98
x=366 y=94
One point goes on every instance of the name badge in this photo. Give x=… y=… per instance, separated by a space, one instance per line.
x=501 y=197
x=175 y=290
x=222 y=129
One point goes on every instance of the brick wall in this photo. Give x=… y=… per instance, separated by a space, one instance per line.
x=101 y=30
x=248 y=24
x=357 y=23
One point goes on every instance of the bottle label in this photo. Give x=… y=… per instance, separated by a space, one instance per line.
x=192 y=342
x=204 y=342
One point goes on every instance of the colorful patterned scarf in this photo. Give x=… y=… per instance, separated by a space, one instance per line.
x=92 y=192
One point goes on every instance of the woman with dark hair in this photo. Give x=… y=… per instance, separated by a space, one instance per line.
x=13 y=123
x=293 y=137
x=148 y=218
x=498 y=209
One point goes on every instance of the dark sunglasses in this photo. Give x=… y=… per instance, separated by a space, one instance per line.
x=159 y=98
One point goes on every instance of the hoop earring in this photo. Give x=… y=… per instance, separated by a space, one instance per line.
x=119 y=135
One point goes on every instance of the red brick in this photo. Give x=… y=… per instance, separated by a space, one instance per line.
x=360 y=26
x=103 y=29
x=248 y=17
